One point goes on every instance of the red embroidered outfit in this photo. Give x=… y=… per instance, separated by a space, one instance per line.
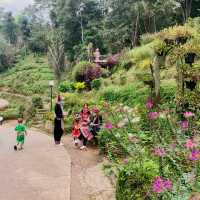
x=76 y=130
x=85 y=119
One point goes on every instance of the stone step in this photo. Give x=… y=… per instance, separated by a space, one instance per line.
x=42 y=110
x=37 y=122
x=38 y=116
x=41 y=113
x=38 y=126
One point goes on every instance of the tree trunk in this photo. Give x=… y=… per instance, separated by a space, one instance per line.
x=180 y=79
x=158 y=62
x=135 y=33
x=186 y=6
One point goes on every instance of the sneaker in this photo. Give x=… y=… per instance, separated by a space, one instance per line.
x=15 y=147
x=76 y=142
x=61 y=144
x=83 y=148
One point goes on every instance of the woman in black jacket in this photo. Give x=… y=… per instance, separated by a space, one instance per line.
x=58 y=122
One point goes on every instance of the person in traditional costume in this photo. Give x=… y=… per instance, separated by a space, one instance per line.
x=96 y=123
x=85 y=131
x=76 y=133
x=58 y=121
x=85 y=113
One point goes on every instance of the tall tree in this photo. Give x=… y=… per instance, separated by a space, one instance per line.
x=186 y=6
x=56 y=53
x=25 y=30
x=10 y=28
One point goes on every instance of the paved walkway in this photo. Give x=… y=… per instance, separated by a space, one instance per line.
x=41 y=171
x=88 y=179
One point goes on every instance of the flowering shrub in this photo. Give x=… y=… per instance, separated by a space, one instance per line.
x=93 y=72
x=113 y=60
x=170 y=144
x=86 y=70
x=161 y=185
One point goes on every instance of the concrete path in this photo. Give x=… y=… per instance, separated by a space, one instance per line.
x=88 y=179
x=41 y=171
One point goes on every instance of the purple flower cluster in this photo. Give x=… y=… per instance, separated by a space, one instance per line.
x=149 y=103
x=161 y=185
x=184 y=125
x=109 y=126
x=195 y=155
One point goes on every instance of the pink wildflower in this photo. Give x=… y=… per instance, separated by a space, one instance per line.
x=189 y=144
x=168 y=184
x=153 y=115
x=159 y=152
x=184 y=125
x=195 y=155
x=160 y=185
x=126 y=161
x=188 y=114
x=108 y=126
x=149 y=103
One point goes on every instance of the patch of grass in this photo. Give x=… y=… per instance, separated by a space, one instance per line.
x=129 y=94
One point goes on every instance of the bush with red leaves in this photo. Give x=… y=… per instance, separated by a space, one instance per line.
x=113 y=60
x=86 y=71
x=93 y=72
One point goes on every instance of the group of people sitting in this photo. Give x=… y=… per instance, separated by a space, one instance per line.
x=86 y=126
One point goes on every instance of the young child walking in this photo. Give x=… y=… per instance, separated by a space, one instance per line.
x=20 y=132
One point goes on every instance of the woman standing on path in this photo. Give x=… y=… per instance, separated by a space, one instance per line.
x=58 y=121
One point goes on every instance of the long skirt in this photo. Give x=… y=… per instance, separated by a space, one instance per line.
x=86 y=132
x=58 y=130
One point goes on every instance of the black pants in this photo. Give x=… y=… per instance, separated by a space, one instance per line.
x=81 y=137
x=58 y=131
x=94 y=132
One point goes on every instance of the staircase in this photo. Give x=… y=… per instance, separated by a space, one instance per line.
x=38 y=120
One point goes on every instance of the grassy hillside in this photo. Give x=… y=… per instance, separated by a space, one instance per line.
x=30 y=76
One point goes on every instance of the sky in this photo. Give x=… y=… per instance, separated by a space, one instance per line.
x=15 y=5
